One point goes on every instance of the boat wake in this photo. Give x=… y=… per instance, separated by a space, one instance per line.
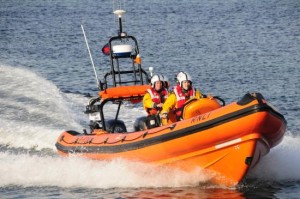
x=45 y=168
x=282 y=163
x=33 y=110
x=33 y=114
x=35 y=170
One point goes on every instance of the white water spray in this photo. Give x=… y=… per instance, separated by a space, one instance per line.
x=33 y=111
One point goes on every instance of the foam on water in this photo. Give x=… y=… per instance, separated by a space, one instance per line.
x=33 y=111
x=282 y=163
x=44 y=170
x=32 y=170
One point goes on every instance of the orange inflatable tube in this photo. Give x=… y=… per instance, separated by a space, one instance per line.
x=227 y=141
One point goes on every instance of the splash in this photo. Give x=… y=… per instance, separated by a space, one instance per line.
x=33 y=111
x=282 y=163
x=80 y=172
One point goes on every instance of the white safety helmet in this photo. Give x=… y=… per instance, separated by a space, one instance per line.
x=156 y=78
x=165 y=80
x=183 y=76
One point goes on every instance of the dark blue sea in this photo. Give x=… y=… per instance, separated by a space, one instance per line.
x=230 y=47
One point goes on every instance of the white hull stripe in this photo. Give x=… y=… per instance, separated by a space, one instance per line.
x=228 y=143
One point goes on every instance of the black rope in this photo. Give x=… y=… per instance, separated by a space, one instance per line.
x=171 y=127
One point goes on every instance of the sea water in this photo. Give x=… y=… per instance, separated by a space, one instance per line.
x=46 y=79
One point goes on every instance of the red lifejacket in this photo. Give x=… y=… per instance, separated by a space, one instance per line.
x=182 y=98
x=157 y=98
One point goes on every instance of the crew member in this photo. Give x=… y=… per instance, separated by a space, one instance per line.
x=181 y=93
x=154 y=99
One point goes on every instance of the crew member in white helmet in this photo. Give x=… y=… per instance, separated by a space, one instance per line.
x=154 y=99
x=181 y=93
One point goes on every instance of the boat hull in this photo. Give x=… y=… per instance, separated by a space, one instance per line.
x=227 y=141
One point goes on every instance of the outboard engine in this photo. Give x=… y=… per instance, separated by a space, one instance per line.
x=146 y=122
x=140 y=123
x=115 y=126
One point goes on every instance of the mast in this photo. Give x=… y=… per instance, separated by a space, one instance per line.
x=119 y=14
x=91 y=58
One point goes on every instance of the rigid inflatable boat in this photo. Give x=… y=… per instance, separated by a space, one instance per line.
x=225 y=140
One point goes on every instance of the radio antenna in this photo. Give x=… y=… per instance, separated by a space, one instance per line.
x=91 y=58
x=120 y=13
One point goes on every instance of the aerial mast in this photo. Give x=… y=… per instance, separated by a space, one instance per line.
x=119 y=11
x=119 y=14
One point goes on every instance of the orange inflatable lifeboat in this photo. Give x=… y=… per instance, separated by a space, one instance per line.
x=225 y=140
